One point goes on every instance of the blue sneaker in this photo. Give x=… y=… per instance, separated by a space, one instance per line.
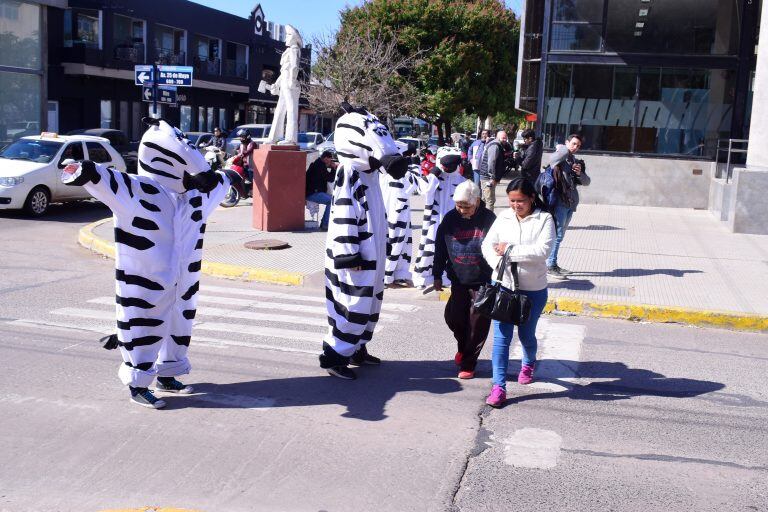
x=145 y=398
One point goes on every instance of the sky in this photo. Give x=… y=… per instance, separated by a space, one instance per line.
x=311 y=17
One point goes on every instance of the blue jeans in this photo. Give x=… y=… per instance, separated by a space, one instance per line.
x=322 y=198
x=476 y=177
x=502 y=336
x=562 y=216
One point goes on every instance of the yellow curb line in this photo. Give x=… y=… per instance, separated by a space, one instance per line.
x=90 y=241
x=653 y=313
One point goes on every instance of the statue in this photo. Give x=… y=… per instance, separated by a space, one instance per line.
x=286 y=119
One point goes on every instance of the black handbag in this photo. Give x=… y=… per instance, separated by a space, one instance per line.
x=499 y=303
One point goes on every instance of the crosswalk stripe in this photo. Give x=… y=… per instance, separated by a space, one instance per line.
x=407 y=308
x=269 y=332
x=37 y=324
x=229 y=301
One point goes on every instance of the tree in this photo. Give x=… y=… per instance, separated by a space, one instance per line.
x=365 y=70
x=469 y=47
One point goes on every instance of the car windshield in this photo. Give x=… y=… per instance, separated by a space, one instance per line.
x=330 y=137
x=306 y=137
x=41 y=151
x=192 y=137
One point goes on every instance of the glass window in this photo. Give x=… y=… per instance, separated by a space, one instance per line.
x=87 y=29
x=73 y=151
x=223 y=118
x=19 y=106
x=576 y=37
x=19 y=34
x=106 y=114
x=701 y=27
x=128 y=38
x=201 y=119
x=97 y=153
x=596 y=101
x=185 y=118
x=683 y=111
x=211 y=119
x=579 y=10
x=41 y=151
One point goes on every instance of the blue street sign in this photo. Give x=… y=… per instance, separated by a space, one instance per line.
x=165 y=95
x=142 y=75
x=180 y=76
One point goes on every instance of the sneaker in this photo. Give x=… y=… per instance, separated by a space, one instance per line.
x=362 y=357
x=457 y=358
x=145 y=398
x=497 y=397
x=526 y=374
x=342 y=372
x=563 y=271
x=171 y=385
x=556 y=272
x=466 y=374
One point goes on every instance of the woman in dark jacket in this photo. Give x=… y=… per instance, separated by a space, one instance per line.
x=458 y=253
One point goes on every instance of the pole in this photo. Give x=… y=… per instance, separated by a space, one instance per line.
x=154 y=88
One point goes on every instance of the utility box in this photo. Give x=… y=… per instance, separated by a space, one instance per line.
x=279 y=182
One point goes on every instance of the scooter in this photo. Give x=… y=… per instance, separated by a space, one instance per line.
x=240 y=189
x=215 y=157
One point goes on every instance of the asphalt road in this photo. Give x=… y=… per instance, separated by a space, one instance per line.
x=623 y=417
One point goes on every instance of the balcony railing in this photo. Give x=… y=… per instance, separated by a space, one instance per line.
x=170 y=57
x=235 y=68
x=131 y=52
x=207 y=66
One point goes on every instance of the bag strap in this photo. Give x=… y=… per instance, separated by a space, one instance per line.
x=514 y=276
x=502 y=265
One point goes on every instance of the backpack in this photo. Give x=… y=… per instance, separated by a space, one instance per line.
x=545 y=187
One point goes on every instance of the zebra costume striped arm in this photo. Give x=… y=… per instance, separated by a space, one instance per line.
x=348 y=217
x=113 y=188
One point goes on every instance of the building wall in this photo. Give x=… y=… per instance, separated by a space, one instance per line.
x=634 y=181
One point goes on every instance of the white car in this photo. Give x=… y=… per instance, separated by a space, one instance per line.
x=258 y=132
x=30 y=168
x=310 y=140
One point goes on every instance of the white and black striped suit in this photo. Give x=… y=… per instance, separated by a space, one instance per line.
x=397 y=201
x=357 y=234
x=159 y=230
x=438 y=189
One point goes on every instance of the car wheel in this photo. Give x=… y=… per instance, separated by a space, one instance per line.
x=37 y=202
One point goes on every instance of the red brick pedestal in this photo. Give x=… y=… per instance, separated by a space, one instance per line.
x=279 y=180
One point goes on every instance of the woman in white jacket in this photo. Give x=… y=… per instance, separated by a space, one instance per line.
x=529 y=231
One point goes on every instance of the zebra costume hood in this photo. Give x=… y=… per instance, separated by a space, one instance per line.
x=159 y=218
x=438 y=187
x=357 y=233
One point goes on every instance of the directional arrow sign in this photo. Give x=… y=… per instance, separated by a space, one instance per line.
x=165 y=95
x=180 y=76
x=142 y=74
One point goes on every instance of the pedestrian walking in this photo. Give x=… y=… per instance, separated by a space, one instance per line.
x=529 y=156
x=559 y=187
x=458 y=252
x=319 y=175
x=475 y=154
x=528 y=231
x=492 y=167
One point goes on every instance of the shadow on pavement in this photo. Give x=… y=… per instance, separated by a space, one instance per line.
x=595 y=227
x=573 y=284
x=627 y=382
x=76 y=212
x=365 y=398
x=639 y=272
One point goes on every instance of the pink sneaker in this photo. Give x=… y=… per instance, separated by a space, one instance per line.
x=497 y=397
x=526 y=374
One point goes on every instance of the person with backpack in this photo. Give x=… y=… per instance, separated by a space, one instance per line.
x=557 y=186
x=475 y=154
x=492 y=167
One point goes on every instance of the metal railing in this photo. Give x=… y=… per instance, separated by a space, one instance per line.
x=208 y=66
x=235 y=68
x=129 y=52
x=733 y=156
x=171 y=57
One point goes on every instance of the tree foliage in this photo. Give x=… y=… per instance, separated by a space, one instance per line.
x=469 y=48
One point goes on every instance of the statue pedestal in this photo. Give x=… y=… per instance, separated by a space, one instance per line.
x=279 y=182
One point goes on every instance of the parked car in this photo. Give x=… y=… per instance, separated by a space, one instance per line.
x=259 y=134
x=30 y=169
x=327 y=145
x=310 y=140
x=20 y=129
x=201 y=140
x=418 y=145
x=119 y=140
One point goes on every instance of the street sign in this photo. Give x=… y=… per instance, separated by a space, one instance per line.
x=180 y=76
x=142 y=75
x=165 y=95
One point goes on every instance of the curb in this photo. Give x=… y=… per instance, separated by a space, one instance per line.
x=652 y=313
x=93 y=243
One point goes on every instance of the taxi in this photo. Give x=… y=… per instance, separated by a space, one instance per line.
x=30 y=169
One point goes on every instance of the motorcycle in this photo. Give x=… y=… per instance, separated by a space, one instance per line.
x=242 y=184
x=215 y=157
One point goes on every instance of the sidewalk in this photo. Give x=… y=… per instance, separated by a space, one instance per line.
x=639 y=263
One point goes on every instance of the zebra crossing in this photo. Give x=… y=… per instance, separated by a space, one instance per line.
x=226 y=316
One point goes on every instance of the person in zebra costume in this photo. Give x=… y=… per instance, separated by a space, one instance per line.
x=357 y=238
x=438 y=189
x=159 y=218
x=397 y=201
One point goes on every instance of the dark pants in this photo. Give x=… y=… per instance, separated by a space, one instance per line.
x=469 y=327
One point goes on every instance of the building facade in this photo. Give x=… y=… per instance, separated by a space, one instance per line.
x=93 y=46
x=641 y=79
